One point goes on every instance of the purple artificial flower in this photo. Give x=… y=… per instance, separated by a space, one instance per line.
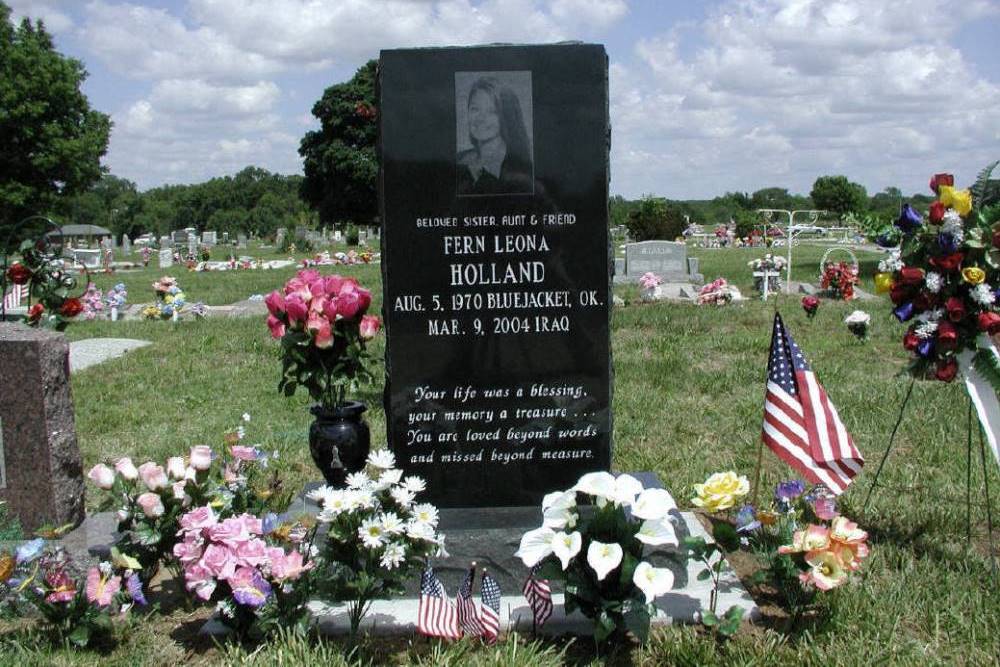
x=947 y=243
x=134 y=586
x=903 y=312
x=250 y=588
x=746 y=519
x=909 y=219
x=790 y=490
x=269 y=523
x=926 y=348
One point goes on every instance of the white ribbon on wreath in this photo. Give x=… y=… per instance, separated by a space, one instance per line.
x=981 y=391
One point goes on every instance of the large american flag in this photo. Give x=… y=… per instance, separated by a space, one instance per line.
x=468 y=617
x=436 y=614
x=538 y=593
x=490 y=596
x=801 y=425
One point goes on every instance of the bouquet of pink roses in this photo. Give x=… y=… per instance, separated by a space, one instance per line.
x=323 y=328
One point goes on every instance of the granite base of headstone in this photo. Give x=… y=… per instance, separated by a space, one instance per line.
x=490 y=537
x=41 y=473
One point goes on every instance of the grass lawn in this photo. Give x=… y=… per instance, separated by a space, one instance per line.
x=689 y=385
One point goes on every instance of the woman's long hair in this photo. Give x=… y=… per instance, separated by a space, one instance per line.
x=508 y=108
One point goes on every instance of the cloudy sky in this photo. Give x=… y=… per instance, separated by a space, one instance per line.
x=706 y=97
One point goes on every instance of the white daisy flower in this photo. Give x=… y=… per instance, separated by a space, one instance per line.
x=414 y=483
x=420 y=531
x=371 y=533
x=926 y=330
x=393 y=556
x=425 y=513
x=383 y=459
x=390 y=477
x=391 y=523
x=319 y=494
x=358 y=480
x=402 y=496
x=362 y=499
x=983 y=294
x=337 y=502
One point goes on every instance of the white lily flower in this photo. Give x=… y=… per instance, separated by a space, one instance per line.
x=604 y=557
x=383 y=459
x=652 y=581
x=566 y=546
x=559 y=500
x=653 y=504
x=535 y=545
x=559 y=518
x=627 y=488
x=656 y=532
x=597 y=484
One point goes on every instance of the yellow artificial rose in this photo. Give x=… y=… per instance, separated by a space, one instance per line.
x=721 y=491
x=883 y=282
x=960 y=200
x=973 y=275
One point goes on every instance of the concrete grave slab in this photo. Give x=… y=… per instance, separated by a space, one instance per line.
x=92 y=351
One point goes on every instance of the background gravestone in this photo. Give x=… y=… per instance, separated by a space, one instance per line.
x=666 y=259
x=41 y=474
x=126 y=245
x=166 y=258
x=497 y=301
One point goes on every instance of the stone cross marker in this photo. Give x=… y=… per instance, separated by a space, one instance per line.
x=166 y=258
x=667 y=259
x=41 y=474
x=497 y=301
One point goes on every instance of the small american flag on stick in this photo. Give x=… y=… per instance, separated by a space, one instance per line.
x=436 y=614
x=468 y=618
x=801 y=425
x=490 y=595
x=538 y=593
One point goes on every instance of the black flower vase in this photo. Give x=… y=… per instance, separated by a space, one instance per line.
x=339 y=441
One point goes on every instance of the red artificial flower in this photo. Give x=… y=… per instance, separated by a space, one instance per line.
x=810 y=304
x=910 y=340
x=936 y=212
x=18 y=273
x=989 y=322
x=947 y=369
x=941 y=179
x=923 y=301
x=948 y=262
x=911 y=275
x=35 y=312
x=71 y=307
x=900 y=293
x=947 y=336
x=955 y=308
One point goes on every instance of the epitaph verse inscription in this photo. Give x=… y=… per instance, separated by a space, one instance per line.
x=496 y=270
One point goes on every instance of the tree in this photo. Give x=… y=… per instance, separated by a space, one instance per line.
x=838 y=195
x=655 y=218
x=339 y=160
x=51 y=141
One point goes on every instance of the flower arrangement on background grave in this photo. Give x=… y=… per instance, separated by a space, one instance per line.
x=378 y=536
x=600 y=556
x=146 y=253
x=79 y=607
x=258 y=572
x=810 y=304
x=170 y=300
x=947 y=282
x=648 y=283
x=858 y=323
x=805 y=543
x=115 y=298
x=840 y=278
x=93 y=302
x=150 y=499
x=48 y=284
x=323 y=327
x=718 y=292
x=773 y=265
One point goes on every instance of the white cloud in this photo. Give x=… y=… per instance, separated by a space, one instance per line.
x=53 y=13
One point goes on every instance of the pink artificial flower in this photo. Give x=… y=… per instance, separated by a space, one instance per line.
x=318 y=290
x=176 y=467
x=102 y=476
x=275 y=302
x=370 y=325
x=288 y=567
x=127 y=469
x=100 y=589
x=244 y=453
x=178 y=489
x=317 y=305
x=253 y=525
x=348 y=304
x=296 y=287
x=151 y=505
x=332 y=308
x=825 y=508
x=187 y=552
x=201 y=457
x=276 y=326
x=232 y=532
x=199 y=579
x=319 y=326
x=199 y=518
x=63 y=588
x=252 y=552
x=309 y=276
x=220 y=560
x=332 y=284
x=230 y=476
x=153 y=476
x=297 y=310
x=364 y=299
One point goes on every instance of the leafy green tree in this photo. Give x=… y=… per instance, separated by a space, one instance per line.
x=51 y=141
x=655 y=218
x=339 y=160
x=838 y=195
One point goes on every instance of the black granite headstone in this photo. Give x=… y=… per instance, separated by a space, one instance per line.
x=493 y=200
